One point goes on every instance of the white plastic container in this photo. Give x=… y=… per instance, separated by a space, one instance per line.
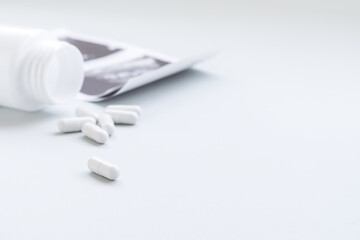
x=36 y=69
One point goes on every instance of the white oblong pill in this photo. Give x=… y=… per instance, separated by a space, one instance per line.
x=86 y=112
x=132 y=108
x=103 y=168
x=95 y=132
x=106 y=122
x=66 y=125
x=123 y=116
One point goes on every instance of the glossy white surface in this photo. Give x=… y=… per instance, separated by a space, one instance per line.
x=132 y=108
x=106 y=122
x=95 y=132
x=271 y=150
x=104 y=169
x=123 y=116
x=73 y=124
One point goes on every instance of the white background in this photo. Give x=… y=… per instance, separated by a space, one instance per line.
x=260 y=142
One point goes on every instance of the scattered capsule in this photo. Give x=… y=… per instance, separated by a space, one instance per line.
x=74 y=124
x=95 y=132
x=86 y=112
x=123 y=116
x=132 y=108
x=106 y=122
x=103 y=168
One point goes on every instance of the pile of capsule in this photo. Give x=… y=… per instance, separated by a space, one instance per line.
x=99 y=127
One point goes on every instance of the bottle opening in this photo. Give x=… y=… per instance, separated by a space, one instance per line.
x=54 y=71
x=64 y=73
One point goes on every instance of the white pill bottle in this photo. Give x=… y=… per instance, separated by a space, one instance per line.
x=36 y=69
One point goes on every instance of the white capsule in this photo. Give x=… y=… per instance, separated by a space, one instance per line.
x=102 y=168
x=132 y=108
x=95 y=132
x=123 y=116
x=86 y=112
x=106 y=122
x=74 y=124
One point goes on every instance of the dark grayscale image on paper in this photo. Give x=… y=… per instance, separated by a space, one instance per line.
x=100 y=81
x=91 y=50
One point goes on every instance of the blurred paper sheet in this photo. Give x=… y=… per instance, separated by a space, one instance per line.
x=112 y=67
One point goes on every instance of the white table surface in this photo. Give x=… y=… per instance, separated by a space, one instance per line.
x=260 y=142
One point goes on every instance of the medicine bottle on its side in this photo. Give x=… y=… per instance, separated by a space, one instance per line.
x=36 y=69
